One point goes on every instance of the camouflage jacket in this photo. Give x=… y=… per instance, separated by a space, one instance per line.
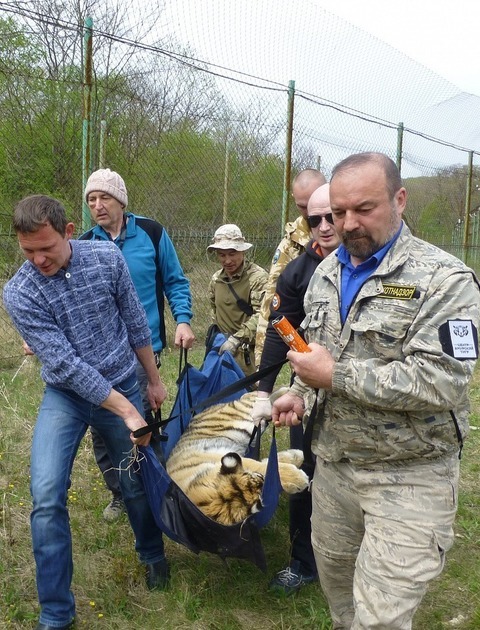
x=297 y=235
x=249 y=285
x=404 y=356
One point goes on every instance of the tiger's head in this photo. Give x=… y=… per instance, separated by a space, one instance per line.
x=232 y=493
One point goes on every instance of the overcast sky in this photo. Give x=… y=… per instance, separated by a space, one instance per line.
x=327 y=47
x=414 y=61
x=443 y=35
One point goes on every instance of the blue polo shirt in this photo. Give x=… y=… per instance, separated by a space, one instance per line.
x=354 y=277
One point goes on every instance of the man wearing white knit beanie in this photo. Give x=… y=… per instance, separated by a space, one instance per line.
x=109 y=182
x=150 y=257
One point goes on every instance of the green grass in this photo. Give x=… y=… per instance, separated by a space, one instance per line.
x=206 y=593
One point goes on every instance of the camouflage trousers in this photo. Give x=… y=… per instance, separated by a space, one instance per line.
x=379 y=536
x=245 y=357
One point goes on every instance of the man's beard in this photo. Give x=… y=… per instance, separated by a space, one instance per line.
x=361 y=245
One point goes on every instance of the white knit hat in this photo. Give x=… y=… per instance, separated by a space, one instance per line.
x=107 y=181
x=229 y=236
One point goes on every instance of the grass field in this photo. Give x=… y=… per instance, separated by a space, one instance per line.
x=205 y=593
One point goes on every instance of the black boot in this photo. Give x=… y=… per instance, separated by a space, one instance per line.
x=157 y=575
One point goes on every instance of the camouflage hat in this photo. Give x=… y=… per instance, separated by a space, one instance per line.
x=229 y=236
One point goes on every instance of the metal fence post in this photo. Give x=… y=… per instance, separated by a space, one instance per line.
x=225 y=181
x=101 y=150
x=288 y=154
x=87 y=106
x=468 y=197
x=399 y=146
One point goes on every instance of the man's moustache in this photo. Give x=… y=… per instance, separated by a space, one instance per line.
x=351 y=236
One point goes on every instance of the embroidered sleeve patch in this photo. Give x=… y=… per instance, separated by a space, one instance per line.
x=459 y=339
x=275 y=301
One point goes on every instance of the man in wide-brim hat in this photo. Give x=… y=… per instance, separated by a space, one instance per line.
x=236 y=292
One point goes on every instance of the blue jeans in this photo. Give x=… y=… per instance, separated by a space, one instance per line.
x=110 y=475
x=62 y=421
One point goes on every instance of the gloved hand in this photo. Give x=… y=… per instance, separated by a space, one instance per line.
x=262 y=410
x=230 y=345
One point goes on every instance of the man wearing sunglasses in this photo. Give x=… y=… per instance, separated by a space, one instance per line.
x=288 y=301
x=297 y=235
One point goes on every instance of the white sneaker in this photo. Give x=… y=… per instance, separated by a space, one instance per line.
x=114 y=510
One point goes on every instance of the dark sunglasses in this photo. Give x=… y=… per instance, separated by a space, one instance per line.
x=316 y=219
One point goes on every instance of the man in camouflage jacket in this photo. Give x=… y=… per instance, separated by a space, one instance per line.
x=297 y=235
x=392 y=326
x=236 y=292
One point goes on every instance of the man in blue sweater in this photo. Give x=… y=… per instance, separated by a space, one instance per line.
x=75 y=306
x=156 y=273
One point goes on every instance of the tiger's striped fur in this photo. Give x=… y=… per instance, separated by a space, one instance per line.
x=207 y=463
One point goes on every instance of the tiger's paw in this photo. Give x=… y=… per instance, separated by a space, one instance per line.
x=291 y=456
x=293 y=479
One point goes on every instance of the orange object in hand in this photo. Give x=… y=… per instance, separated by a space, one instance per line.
x=289 y=335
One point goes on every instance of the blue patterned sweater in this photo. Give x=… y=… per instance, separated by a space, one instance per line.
x=84 y=322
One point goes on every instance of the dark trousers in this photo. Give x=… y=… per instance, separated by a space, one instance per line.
x=300 y=512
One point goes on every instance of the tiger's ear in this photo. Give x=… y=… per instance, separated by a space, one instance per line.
x=231 y=463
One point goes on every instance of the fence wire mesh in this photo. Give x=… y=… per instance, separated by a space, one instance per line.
x=203 y=142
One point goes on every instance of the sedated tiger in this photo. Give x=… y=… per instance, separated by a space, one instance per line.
x=207 y=463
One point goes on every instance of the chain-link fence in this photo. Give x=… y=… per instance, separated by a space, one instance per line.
x=198 y=145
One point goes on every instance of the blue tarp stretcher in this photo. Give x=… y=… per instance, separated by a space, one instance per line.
x=175 y=514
